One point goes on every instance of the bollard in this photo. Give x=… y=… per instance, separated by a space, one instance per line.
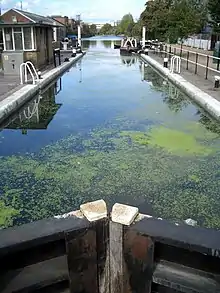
x=73 y=53
x=39 y=74
x=146 y=51
x=165 y=62
x=217 y=82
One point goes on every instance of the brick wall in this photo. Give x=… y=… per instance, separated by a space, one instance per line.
x=44 y=50
x=7 y=17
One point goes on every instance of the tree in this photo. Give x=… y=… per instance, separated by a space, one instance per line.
x=126 y=25
x=106 y=29
x=155 y=18
x=214 y=11
x=174 y=19
x=93 y=29
x=137 y=29
x=185 y=18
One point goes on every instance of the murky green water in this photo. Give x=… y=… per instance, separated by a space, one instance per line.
x=111 y=128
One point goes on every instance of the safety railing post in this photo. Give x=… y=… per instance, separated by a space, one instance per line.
x=187 y=61
x=196 y=65
x=207 y=67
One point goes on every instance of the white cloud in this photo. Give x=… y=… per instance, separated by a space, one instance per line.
x=95 y=9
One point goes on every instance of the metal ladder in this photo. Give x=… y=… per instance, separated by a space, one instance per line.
x=178 y=64
x=28 y=67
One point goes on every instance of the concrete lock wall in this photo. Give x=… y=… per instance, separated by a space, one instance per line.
x=121 y=252
x=13 y=102
x=207 y=102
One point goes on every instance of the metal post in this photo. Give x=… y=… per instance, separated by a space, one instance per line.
x=165 y=62
x=143 y=36
x=187 y=61
x=181 y=49
x=218 y=64
x=207 y=68
x=217 y=81
x=54 y=58
x=197 y=55
x=79 y=35
x=59 y=57
x=170 y=52
x=174 y=51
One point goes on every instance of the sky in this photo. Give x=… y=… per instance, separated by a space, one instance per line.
x=97 y=11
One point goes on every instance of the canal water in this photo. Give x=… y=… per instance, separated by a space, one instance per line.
x=111 y=128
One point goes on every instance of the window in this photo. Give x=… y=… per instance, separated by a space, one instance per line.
x=14 y=19
x=27 y=38
x=8 y=39
x=18 y=38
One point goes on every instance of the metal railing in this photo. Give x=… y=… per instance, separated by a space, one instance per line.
x=28 y=67
x=178 y=64
x=194 y=60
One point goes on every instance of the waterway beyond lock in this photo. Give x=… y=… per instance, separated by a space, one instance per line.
x=110 y=128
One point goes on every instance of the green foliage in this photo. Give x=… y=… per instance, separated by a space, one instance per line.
x=93 y=29
x=107 y=29
x=214 y=11
x=137 y=29
x=126 y=25
x=173 y=19
x=87 y=30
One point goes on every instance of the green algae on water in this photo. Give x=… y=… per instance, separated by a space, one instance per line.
x=59 y=177
x=6 y=215
x=173 y=141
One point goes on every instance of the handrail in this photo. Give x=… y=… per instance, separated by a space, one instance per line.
x=31 y=69
x=205 y=63
x=193 y=52
x=178 y=63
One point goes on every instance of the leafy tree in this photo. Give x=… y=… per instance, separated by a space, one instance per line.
x=93 y=30
x=173 y=19
x=214 y=11
x=126 y=25
x=106 y=29
x=155 y=18
x=185 y=18
x=137 y=29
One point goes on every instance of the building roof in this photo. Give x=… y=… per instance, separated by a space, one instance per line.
x=37 y=19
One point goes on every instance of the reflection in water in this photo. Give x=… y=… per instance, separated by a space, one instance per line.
x=129 y=60
x=39 y=112
x=175 y=100
x=96 y=43
x=208 y=122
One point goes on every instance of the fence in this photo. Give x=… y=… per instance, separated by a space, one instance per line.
x=197 y=43
x=127 y=252
x=193 y=61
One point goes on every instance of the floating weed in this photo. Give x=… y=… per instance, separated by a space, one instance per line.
x=7 y=214
x=173 y=141
x=140 y=165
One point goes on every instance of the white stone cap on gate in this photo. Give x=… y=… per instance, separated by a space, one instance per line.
x=94 y=210
x=124 y=214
